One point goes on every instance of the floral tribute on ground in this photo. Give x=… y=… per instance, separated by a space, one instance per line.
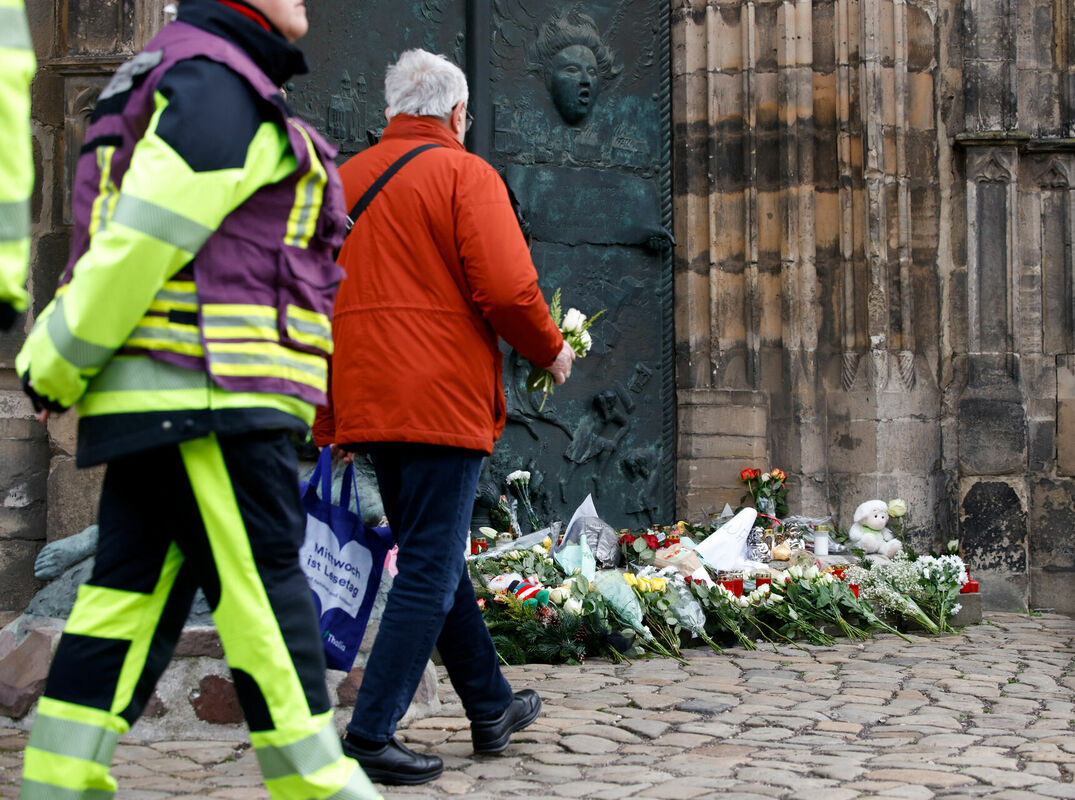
x=748 y=579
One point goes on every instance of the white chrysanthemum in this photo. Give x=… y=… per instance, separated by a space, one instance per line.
x=518 y=475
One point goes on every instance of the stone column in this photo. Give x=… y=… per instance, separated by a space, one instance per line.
x=805 y=137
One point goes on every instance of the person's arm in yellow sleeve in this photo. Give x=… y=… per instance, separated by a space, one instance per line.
x=187 y=173
x=16 y=162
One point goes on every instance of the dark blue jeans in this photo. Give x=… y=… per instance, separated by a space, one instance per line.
x=428 y=494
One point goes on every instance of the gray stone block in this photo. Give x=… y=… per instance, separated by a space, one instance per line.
x=992 y=436
x=1053 y=588
x=73 y=497
x=1052 y=520
x=994 y=527
x=17 y=582
x=970 y=613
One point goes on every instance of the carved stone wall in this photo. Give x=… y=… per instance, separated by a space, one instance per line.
x=78 y=45
x=874 y=214
x=874 y=276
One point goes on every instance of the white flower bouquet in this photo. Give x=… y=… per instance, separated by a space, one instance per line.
x=575 y=327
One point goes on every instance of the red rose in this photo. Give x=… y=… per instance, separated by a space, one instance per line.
x=627 y=539
x=749 y=474
x=651 y=541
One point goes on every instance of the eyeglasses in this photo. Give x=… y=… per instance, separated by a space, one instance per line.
x=469 y=122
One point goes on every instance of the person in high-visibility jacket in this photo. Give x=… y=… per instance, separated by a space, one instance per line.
x=192 y=330
x=16 y=164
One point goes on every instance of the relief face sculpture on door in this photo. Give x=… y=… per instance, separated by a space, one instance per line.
x=571 y=55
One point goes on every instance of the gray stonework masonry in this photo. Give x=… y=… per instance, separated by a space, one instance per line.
x=875 y=274
x=983 y=713
x=875 y=220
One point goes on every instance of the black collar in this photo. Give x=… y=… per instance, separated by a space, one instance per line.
x=277 y=58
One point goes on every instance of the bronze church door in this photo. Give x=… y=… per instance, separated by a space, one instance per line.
x=571 y=103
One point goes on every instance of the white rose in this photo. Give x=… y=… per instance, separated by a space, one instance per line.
x=587 y=342
x=573 y=606
x=573 y=321
x=765 y=477
x=559 y=594
x=897 y=508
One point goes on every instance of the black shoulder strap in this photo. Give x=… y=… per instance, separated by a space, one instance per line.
x=378 y=184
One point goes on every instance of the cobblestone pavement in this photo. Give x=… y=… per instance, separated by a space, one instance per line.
x=989 y=712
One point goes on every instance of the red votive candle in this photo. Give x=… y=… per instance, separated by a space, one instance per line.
x=970 y=587
x=735 y=586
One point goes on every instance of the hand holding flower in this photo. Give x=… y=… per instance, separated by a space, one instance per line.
x=577 y=343
x=560 y=368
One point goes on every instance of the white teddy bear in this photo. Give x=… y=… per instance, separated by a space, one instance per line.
x=870 y=530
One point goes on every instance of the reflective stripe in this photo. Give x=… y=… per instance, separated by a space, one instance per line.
x=357 y=788
x=160 y=333
x=187 y=287
x=269 y=360
x=105 y=202
x=14 y=29
x=310 y=328
x=144 y=374
x=314 y=322
x=131 y=384
x=34 y=790
x=304 y=757
x=167 y=300
x=74 y=739
x=239 y=321
x=78 y=352
x=15 y=220
x=308 y=195
x=161 y=223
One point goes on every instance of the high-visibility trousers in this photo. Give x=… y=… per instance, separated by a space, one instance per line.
x=224 y=514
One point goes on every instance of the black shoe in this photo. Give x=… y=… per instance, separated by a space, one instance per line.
x=491 y=736
x=394 y=764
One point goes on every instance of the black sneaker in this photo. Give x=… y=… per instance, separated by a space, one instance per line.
x=394 y=764
x=492 y=736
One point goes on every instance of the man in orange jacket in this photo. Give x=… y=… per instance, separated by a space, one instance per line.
x=437 y=271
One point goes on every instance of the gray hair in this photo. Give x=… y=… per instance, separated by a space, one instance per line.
x=424 y=84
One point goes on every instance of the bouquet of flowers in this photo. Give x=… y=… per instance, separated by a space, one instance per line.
x=766 y=490
x=575 y=326
x=892 y=587
x=723 y=611
x=939 y=580
x=532 y=561
x=519 y=483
